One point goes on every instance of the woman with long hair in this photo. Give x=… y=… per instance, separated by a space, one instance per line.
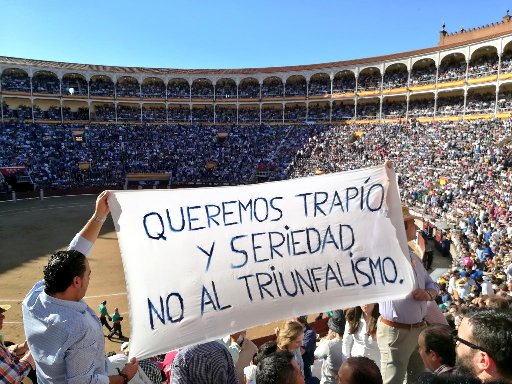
x=360 y=336
x=289 y=338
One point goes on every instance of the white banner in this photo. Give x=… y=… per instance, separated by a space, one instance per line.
x=203 y=263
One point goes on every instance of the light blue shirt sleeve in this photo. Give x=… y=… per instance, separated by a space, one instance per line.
x=80 y=244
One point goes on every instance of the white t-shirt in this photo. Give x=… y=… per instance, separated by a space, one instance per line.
x=250 y=374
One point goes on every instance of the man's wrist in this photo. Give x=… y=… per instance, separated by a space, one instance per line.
x=123 y=375
x=99 y=219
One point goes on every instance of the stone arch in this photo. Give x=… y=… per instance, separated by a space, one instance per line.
x=344 y=82
x=295 y=85
x=74 y=84
x=369 y=79
x=483 y=62
x=395 y=76
x=272 y=87
x=153 y=88
x=178 y=89
x=15 y=79
x=101 y=85
x=423 y=72
x=225 y=88
x=202 y=89
x=249 y=88
x=45 y=82
x=127 y=86
x=452 y=67
x=319 y=84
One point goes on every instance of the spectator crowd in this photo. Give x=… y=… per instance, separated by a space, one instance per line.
x=456 y=175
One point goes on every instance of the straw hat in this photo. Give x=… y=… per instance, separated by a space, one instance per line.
x=4 y=307
x=407 y=214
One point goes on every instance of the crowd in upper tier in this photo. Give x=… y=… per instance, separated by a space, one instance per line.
x=451 y=69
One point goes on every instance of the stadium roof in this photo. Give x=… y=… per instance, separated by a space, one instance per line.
x=245 y=71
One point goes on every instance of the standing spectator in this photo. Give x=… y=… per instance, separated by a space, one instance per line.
x=207 y=363
x=104 y=315
x=308 y=350
x=486 y=285
x=452 y=282
x=289 y=338
x=15 y=362
x=402 y=321
x=360 y=337
x=428 y=258
x=116 y=325
x=509 y=273
x=330 y=349
x=63 y=332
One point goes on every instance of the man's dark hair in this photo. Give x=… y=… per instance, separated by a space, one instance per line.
x=492 y=330
x=364 y=370
x=264 y=350
x=438 y=338
x=276 y=368
x=61 y=269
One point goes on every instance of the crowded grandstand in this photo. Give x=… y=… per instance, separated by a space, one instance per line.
x=441 y=115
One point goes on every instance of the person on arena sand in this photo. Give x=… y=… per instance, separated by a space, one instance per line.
x=104 y=315
x=63 y=332
x=402 y=320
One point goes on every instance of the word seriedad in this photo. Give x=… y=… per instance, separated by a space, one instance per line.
x=264 y=246
x=159 y=225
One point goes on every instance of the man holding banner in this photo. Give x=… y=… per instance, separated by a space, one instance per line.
x=63 y=332
x=402 y=320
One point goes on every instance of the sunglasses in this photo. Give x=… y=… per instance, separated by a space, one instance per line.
x=457 y=339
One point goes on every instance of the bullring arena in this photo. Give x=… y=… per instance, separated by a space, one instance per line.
x=441 y=114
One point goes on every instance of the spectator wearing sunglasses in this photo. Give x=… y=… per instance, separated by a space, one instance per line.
x=483 y=345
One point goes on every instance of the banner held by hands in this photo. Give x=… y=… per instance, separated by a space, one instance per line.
x=203 y=263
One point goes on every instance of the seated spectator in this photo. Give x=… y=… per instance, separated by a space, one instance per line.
x=16 y=361
x=279 y=368
x=118 y=360
x=437 y=349
x=360 y=336
x=483 y=345
x=207 y=363
x=330 y=348
x=357 y=370
x=308 y=349
x=250 y=371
